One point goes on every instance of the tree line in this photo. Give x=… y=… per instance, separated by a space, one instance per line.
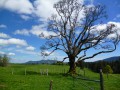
x=107 y=66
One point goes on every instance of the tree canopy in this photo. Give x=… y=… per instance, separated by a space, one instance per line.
x=77 y=28
x=107 y=69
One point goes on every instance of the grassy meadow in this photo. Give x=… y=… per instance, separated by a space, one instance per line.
x=13 y=78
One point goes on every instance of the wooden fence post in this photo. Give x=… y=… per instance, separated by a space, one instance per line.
x=101 y=80
x=51 y=85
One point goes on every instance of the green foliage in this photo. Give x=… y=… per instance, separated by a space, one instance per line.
x=95 y=66
x=108 y=69
x=4 y=60
x=59 y=63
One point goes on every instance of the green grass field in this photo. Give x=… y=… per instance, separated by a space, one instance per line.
x=13 y=78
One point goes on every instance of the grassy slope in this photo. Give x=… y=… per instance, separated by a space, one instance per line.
x=34 y=81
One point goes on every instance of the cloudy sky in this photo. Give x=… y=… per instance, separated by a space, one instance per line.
x=21 y=22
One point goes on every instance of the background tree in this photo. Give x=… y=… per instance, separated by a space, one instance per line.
x=1 y=60
x=4 y=60
x=80 y=64
x=95 y=66
x=108 y=69
x=75 y=31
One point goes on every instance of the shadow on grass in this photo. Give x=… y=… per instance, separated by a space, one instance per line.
x=31 y=73
x=55 y=74
x=45 y=74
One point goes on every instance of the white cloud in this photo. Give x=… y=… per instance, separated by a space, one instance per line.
x=30 y=48
x=116 y=28
x=3 y=26
x=3 y=35
x=19 y=6
x=36 y=30
x=54 y=55
x=18 y=46
x=44 y=8
x=22 y=32
x=112 y=36
x=117 y=24
x=117 y=17
x=41 y=8
x=13 y=41
x=26 y=52
x=25 y=17
x=1 y=52
x=102 y=27
x=11 y=54
x=39 y=29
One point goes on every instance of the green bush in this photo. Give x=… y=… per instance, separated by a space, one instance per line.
x=108 y=69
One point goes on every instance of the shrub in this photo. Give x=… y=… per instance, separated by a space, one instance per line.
x=108 y=69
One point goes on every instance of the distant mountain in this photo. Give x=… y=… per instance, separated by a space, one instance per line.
x=42 y=62
x=111 y=59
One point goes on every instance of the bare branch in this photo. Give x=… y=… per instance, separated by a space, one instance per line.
x=75 y=34
x=101 y=52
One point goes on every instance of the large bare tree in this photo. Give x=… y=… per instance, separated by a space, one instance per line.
x=76 y=30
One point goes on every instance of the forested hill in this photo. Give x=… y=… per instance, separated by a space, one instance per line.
x=111 y=59
x=114 y=63
x=42 y=62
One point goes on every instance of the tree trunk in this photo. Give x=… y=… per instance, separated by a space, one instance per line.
x=72 y=69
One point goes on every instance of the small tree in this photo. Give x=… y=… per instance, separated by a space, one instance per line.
x=4 y=60
x=1 y=60
x=108 y=69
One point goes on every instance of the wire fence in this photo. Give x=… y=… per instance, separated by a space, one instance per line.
x=48 y=79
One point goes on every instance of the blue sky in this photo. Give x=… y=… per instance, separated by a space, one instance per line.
x=21 y=22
